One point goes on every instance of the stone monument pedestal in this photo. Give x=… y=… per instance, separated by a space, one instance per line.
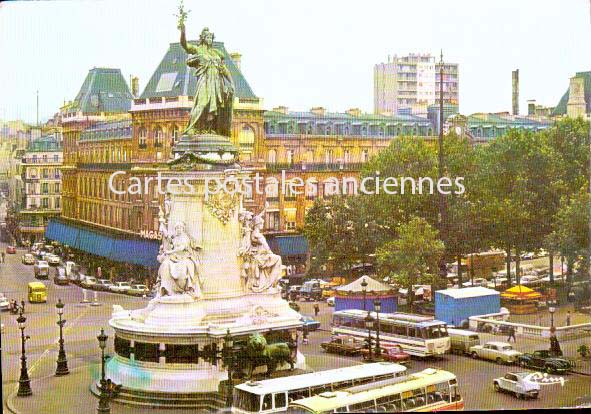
x=169 y=353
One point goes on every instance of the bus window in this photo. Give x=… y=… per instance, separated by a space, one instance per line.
x=455 y=395
x=411 y=332
x=348 y=322
x=389 y=403
x=362 y=407
x=419 y=396
x=399 y=330
x=280 y=401
x=386 y=328
x=341 y=410
x=267 y=405
x=299 y=394
x=358 y=323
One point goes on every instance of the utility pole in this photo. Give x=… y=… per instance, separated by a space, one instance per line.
x=442 y=210
x=37 y=107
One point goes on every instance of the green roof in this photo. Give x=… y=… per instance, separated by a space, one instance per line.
x=47 y=143
x=174 y=78
x=561 y=107
x=103 y=90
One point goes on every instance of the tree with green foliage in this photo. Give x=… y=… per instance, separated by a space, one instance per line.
x=413 y=257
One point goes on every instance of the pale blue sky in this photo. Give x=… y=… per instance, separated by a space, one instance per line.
x=300 y=53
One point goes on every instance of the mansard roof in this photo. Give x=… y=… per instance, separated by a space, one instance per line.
x=174 y=78
x=103 y=90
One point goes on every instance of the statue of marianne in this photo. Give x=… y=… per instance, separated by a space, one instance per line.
x=212 y=109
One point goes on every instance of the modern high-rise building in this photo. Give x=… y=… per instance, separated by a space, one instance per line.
x=411 y=83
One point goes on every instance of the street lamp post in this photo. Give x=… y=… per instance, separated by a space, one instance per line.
x=377 y=307
x=369 y=326
x=62 y=361
x=228 y=353
x=24 y=382
x=552 y=309
x=108 y=389
x=364 y=291
x=440 y=167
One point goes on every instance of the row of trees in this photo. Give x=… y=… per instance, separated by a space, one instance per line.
x=523 y=191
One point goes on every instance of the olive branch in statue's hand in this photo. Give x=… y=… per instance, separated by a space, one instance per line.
x=182 y=16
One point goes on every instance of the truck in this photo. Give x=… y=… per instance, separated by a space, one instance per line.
x=311 y=290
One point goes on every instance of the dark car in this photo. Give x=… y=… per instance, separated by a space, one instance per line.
x=544 y=360
x=310 y=323
x=392 y=354
x=343 y=346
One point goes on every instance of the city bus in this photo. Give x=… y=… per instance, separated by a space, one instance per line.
x=273 y=395
x=417 y=335
x=428 y=390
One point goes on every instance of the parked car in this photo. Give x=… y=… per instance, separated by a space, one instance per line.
x=500 y=352
x=517 y=383
x=41 y=269
x=53 y=259
x=530 y=280
x=343 y=346
x=10 y=250
x=60 y=277
x=544 y=361
x=294 y=306
x=28 y=259
x=88 y=282
x=393 y=354
x=4 y=302
x=462 y=340
x=310 y=323
x=330 y=301
x=528 y=256
x=120 y=287
x=478 y=281
x=138 y=290
x=103 y=284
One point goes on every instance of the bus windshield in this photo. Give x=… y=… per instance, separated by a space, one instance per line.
x=246 y=401
x=437 y=331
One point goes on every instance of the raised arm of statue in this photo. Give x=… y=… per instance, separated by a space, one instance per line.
x=189 y=48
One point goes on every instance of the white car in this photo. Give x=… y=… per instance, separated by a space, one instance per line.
x=88 y=282
x=528 y=256
x=500 y=352
x=478 y=281
x=518 y=384
x=4 y=302
x=120 y=287
x=53 y=259
x=530 y=280
x=330 y=301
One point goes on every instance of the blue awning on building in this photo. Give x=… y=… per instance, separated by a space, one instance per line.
x=118 y=248
x=295 y=245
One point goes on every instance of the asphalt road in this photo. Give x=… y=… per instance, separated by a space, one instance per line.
x=84 y=323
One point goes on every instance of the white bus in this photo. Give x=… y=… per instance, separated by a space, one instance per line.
x=418 y=335
x=428 y=390
x=273 y=395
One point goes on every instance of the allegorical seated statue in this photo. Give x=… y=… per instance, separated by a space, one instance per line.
x=179 y=263
x=261 y=268
x=214 y=94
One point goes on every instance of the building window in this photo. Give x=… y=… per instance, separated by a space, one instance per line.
x=158 y=137
x=56 y=158
x=246 y=139
x=289 y=156
x=45 y=202
x=57 y=203
x=45 y=188
x=346 y=157
x=272 y=156
x=175 y=135
x=328 y=156
x=273 y=220
x=142 y=137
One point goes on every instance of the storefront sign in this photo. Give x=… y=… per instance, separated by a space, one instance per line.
x=151 y=234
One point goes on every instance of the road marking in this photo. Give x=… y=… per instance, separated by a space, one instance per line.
x=35 y=364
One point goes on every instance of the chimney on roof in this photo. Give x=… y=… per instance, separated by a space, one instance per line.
x=236 y=58
x=281 y=109
x=531 y=107
x=515 y=94
x=135 y=86
x=318 y=110
x=353 y=112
